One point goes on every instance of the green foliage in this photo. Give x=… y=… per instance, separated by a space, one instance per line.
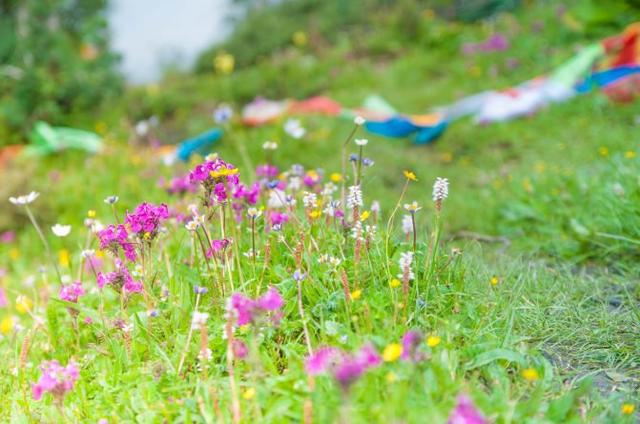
x=56 y=63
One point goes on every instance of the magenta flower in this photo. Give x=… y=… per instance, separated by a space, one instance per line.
x=7 y=237
x=345 y=368
x=181 y=185
x=240 y=349
x=119 y=279
x=321 y=360
x=72 y=292
x=3 y=298
x=146 y=219
x=217 y=245
x=55 y=379
x=410 y=346
x=249 y=195
x=278 y=218
x=115 y=237
x=212 y=172
x=248 y=310
x=465 y=412
x=267 y=171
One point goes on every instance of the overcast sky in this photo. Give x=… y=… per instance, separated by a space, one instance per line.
x=150 y=32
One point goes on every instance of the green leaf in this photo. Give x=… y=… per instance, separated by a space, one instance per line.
x=495 y=355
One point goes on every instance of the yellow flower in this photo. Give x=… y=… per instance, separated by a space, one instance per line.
x=627 y=408
x=249 y=394
x=629 y=154
x=6 y=325
x=14 y=253
x=23 y=304
x=530 y=374
x=364 y=215
x=526 y=184
x=224 y=63
x=99 y=253
x=355 y=295
x=433 y=341
x=392 y=352
x=409 y=175
x=315 y=214
x=603 y=151
x=335 y=177
x=494 y=281
x=394 y=283
x=91 y=213
x=101 y=128
x=63 y=257
x=299 y=38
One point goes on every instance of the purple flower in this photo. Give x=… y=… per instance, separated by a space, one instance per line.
x=248 y=310
x=410 y=343
x=278 y=218
x=146 y=219
x=119 y=279
x=3 y=298
x=72 y=292
x=55 y=379
x=321 y=360
x=115 y=237
x=267 y=171
x=7 y=237
x=240 y=350
x=217 y=245
x=465 y=412
x=200 y=290
x=345 y=368
x=181 y=185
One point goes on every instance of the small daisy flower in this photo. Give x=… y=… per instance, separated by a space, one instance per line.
x=359 y=121
x=61 y=230
x=412 y=207
x=111 y=200
x=25 y=199
x=361 y=141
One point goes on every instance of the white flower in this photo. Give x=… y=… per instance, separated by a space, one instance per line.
x=65 y=279
x=205 y=355
x=440 y=189
x=142 y=128
x=61 y=230
x=406 y=258
x=270 y=145
x=356 y=231
x=412 y=207
x=88 y=253
x=199 y=320
x=359 y=120
x=375 y=206
x=276 y=199
x=355 y=197
x=96 y=226
x=222 y=114
x=111 y=200
x=254 y=213
x=295 y=183
x=294 y=128
x=192 y=225
x=407 y=224
x=361 y=141
x=309 y=200
x=24 y=200
x=330 y=209
x=329 y=189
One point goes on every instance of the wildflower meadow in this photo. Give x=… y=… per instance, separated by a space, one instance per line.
x=308 y=269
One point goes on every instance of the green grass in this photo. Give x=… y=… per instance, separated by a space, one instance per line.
x=567 y=301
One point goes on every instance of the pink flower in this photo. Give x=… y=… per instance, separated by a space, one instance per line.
x=240 y=350
x=321 y=360
x=119 y=279
x=278 y=218
x=146 y=218
x=410 y=343
x=55 y=379
x=72 y=292
x=248 y=310
x=465 y=412
x=267 y=171
x=3 y=298
x=345 y=368
x=217 y=245
x=181 y=185
x=7 y=237
x=116 y=237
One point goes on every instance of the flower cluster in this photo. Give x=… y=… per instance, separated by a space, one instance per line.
x=248 y=310
x=115 y=237
x=346 y=368
x=146 y=219
x=215 y=176
x=119 y=279
x=55 y=379
x=72 y=292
